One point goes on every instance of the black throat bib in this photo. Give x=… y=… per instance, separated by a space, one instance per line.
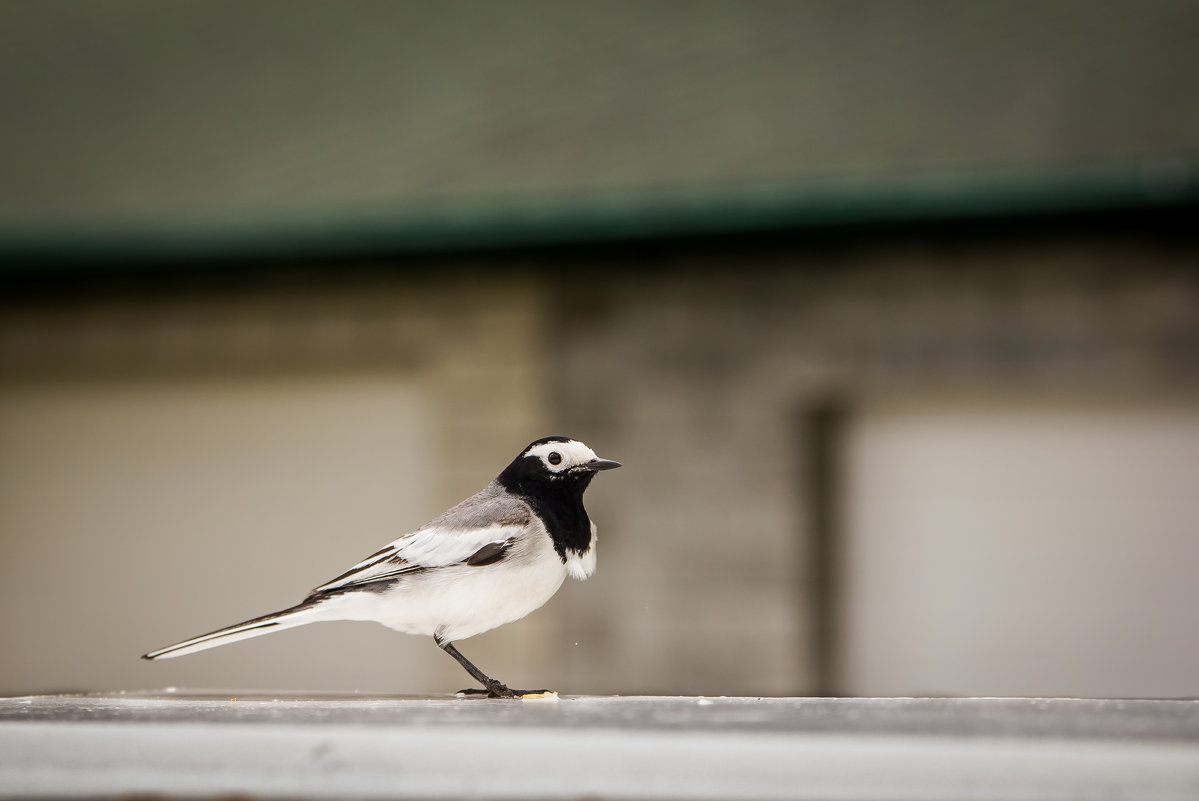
x=557 y=500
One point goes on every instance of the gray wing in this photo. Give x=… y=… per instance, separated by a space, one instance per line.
x=485 y=524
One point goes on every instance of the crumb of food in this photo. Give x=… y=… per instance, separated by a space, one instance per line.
x=550 y=696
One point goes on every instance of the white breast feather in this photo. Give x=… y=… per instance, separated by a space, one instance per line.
x=582 y=565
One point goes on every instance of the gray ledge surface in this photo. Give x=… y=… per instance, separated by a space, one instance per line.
x=176 y=744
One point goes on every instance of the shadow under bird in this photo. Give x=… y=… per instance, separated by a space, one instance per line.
x=490 y=560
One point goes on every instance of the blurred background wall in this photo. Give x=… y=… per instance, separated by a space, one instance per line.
x=890 y=310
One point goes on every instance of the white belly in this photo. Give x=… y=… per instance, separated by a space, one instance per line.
x=460 y=601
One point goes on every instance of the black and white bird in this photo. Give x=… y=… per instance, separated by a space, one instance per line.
x=490 y=560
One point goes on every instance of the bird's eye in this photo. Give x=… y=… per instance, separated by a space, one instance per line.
x=554 y=457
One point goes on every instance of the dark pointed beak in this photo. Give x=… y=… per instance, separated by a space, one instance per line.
x=600 y=464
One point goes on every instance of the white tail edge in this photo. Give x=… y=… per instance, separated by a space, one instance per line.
x=286 y=619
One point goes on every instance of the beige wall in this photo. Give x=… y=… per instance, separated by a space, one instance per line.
x=160 y=510
x=176 y=460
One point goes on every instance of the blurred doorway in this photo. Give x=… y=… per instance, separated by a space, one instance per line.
x=1032 y=549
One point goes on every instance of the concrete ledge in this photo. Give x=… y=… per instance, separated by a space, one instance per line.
x=667 y=748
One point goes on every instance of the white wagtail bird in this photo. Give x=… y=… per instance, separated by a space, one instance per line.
x=491 y=559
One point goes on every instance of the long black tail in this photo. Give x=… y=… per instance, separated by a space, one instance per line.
x=298 y=615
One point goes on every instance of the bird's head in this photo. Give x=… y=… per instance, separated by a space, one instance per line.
x=554 y=461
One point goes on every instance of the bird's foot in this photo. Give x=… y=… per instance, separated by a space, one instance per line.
x=497 y=690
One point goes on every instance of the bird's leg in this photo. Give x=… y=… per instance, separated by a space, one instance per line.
x=494 y=689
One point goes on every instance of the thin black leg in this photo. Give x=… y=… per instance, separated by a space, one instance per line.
x=494 y=689
x=478 y=675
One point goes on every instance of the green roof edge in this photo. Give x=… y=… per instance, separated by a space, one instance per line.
x=618 y=216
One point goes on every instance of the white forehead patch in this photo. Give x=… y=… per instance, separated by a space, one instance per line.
x=572 y=453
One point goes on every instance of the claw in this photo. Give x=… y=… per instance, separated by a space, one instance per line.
x=498 y=690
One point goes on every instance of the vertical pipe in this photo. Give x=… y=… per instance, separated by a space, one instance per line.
x=823 y=427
